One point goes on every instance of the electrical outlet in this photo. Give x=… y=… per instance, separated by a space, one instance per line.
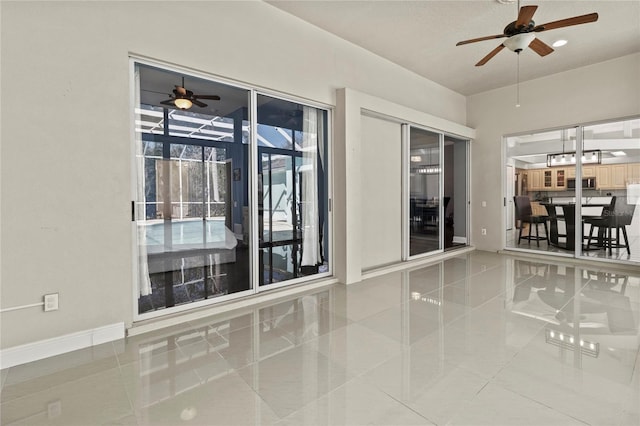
x=484 y=231
x=51 y=302
x=484 y=204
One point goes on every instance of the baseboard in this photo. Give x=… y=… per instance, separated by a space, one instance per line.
x=58 y=345
x=414 y=263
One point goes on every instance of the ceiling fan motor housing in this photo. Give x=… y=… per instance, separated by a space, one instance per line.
x=512 y=29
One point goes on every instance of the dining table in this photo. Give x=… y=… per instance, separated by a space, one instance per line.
x=567 y=217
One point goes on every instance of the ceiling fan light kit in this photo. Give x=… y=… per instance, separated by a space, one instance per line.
x=519 y=42
x=183 y=103
x=184 y=99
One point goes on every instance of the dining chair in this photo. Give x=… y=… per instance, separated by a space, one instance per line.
x=616 y=217
x=524 y=214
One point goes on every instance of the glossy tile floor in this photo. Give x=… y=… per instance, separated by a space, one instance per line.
x=478 y=339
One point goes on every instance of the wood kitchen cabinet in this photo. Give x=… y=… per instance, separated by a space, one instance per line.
x=534 y=180
x=603 y=177
x=616 y=176
x=587 y=171
x=633 y=173
x=608 y=176
x=560 y=181
x=547 y=179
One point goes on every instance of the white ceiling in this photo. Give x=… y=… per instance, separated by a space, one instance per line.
x=422 y=35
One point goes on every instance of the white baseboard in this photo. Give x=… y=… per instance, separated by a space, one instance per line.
x=415 y=263
x=58 y=345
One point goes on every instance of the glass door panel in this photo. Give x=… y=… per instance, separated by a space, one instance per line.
x=455 y=192
x=610 y=186
x=539 y=192
x=192 y=225
x=293 y=213
x=425 y=196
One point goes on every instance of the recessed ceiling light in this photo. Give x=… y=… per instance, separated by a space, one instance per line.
x=618 y=153
x=559 y=43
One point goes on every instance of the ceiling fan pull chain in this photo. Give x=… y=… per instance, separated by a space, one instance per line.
x=518 y=82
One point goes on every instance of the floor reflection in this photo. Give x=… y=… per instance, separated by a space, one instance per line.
x=479 y=338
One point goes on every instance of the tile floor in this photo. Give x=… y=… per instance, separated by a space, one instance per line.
x=478 y=339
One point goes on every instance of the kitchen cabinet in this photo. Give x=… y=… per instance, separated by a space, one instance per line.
x=603 y=177
x=534 y=180
x=548 y=181
x=560 y=182
x=587 y=171
x=633 y=173
x=618 y=176
x=608 y=176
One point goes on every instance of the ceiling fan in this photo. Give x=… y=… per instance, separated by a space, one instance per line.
x=520 y=33
x=185 y=99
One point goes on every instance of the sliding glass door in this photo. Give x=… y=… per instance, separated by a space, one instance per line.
x=580 y=187
x=436 y=203
x=610 y=190
x=220 y=210
x=292 y=189
x=425 y=191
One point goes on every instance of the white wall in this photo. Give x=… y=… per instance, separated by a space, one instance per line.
x=599 y=92
x=381 y=192
x=66 y=143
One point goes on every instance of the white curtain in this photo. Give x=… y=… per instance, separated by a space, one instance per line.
x=311 y=128
x=144 y=282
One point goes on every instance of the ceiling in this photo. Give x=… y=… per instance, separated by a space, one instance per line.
x=421 y=35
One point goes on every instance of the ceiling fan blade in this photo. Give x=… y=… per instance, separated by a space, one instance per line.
x=540 y=47
x=212 y=97
x=525 y=15
x=576 y=20
x=197 y=102
x=491 y=54
x=473 y=40
x=168 y=102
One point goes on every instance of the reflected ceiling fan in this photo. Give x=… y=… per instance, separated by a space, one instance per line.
x=185 y=99
x=521 y=33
